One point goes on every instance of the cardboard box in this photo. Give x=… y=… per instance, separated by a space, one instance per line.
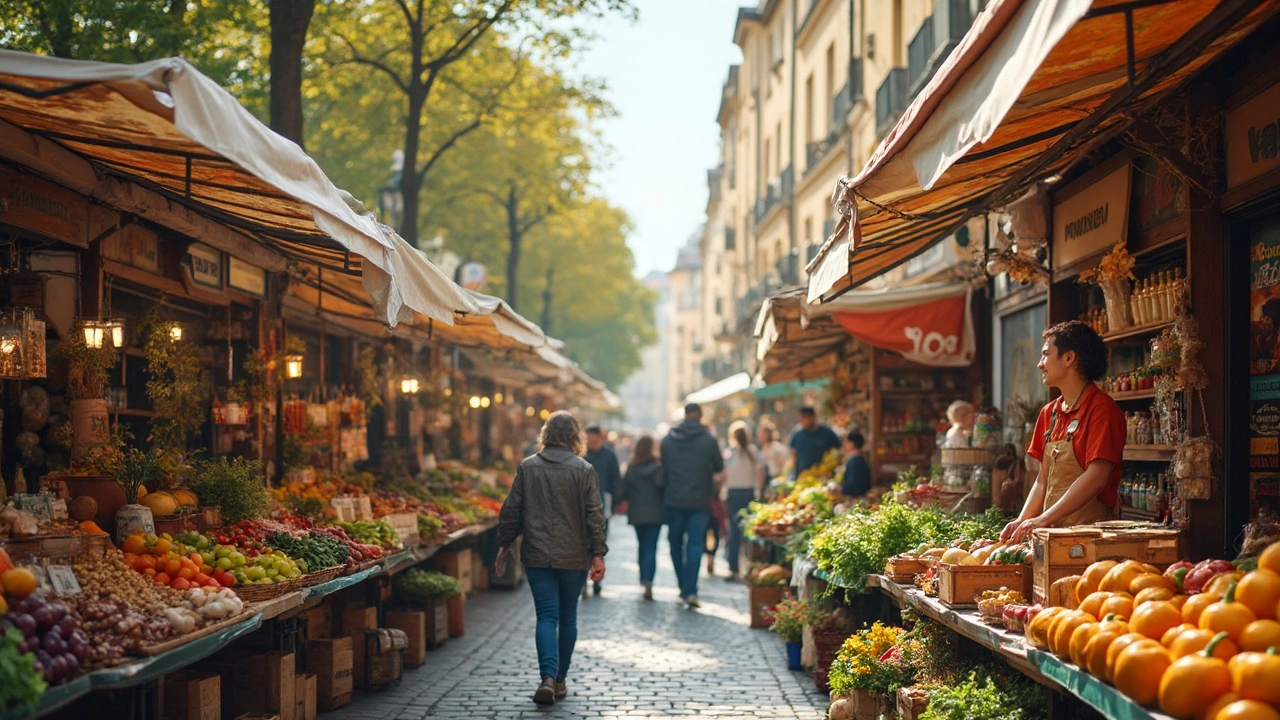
x=320 y=622
x=457 y=565
x=332 y=663
x=457 y=615
x=304 y=695
x=414 y=625
x=192 y=696
x=264 y=684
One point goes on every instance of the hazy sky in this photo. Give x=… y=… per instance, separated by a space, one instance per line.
x=665 y=73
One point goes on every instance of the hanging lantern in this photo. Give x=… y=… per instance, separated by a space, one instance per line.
x=497 y=398
x=293 y=366
x=115 y=331
x=544 y=414
x=475 y=401
x=409 y=386
x=175 y=332
x=484 y=401
x=21 y=344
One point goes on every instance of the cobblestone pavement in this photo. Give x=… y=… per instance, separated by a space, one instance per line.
x=634 y=659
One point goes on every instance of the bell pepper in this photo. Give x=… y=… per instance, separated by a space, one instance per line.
x=1191 y=684
x=1256 y=676
x=1203 y=572
x=1177 y=572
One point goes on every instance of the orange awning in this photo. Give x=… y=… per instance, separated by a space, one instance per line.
x=1030 y=90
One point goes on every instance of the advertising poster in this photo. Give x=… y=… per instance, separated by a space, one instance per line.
x=1264 y=368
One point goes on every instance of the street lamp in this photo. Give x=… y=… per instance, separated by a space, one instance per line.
x=390 y=198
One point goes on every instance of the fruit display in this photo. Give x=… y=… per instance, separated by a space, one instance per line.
x=359 y=552
x=52 y=634
x=1196 y=640
x=812 y=498
x=21 y=683
x=172 y=563
x=200 y=605
x=312 y=551
x=991 y=603
x=120 y=609
x=372 y=532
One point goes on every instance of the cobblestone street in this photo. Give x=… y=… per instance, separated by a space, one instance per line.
x=634 y=659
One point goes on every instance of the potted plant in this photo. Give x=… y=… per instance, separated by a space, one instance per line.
x=788 y=620
x=431 y=591
x=175 y=387
x=869 y=665
x=237 y=487
x=94 y=475
x=138 y=470
x=87 y=376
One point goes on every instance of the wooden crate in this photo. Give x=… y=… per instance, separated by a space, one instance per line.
x=957 y=584
x=1044 y=575
x=903 y=568
x=1089 y=544
x=762 y=600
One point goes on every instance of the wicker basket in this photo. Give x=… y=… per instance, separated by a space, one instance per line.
x=968 y=456
x=365 y=565
x=260 y=593
x=320 y=576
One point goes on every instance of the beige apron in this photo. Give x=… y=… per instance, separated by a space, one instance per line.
x=1061 y=469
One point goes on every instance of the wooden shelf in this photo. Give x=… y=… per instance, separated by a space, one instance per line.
x=1129 y=513
x=1149 y=453
x=132 y=412
x=1136 y=330
x=1133 y=395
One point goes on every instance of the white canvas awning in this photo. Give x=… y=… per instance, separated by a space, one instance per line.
x=722 y=389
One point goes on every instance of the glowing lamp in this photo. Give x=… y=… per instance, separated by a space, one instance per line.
x=409 y=386
x=293 y=366
x=475 y=401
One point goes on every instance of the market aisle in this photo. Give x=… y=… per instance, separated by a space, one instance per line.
x=634 y=659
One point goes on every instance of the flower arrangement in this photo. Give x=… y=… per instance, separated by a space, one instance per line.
x=1115 y=265
x=790 y=616
x=871 y=660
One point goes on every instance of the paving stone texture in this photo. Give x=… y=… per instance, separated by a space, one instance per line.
x=634 y=659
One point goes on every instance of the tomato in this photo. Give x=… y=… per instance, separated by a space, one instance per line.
x=1260 y=592
x=200 y=579
x=187 y=573
x=135 y=544
x=195 y=558
x=180 y=584
x=162 y=547
x=161 y=578
x=1227 y=615
x=149 y=572
x=224 y=578
x=130 y=559
x=172 y=566
x=147 y=562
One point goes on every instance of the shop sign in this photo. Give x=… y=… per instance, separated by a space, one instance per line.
x=42 y=207
x=206 y=265
x=1253 y=138
x=1091 y=220
x=247 y=277
x=136 y=246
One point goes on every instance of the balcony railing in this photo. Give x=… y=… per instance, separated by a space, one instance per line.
x=919 y=52
x=937 y=37
x=716 y=369
x=891 y=100
x=778 y=191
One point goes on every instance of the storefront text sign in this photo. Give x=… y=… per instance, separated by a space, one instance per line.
x=1091 y=220
x=136 y=246
x=206 y=265
x=33 y=204
x=938 y=332
x=1253 y=137
x=246 y=277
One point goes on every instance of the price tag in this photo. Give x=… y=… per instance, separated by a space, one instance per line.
x=63 y=579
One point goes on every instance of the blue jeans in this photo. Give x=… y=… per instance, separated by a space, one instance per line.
x=737 y=502
x=555 y=599
x=647 y=536
x=687 y=530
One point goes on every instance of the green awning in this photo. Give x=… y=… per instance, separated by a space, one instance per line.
x=793 y=387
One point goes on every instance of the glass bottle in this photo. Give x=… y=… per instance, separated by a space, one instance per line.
x=19 y=482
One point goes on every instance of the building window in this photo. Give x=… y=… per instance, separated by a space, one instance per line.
x=808 y=230
x=719 y=306
x=767 y=156
x=778 y=148
x=808 y=110
x=830 y=94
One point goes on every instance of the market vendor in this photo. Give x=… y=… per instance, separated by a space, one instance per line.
x=1079 y=437
x=811 y=441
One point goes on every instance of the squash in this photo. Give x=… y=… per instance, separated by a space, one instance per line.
x=1243 y=710
x=1194 y=681
x=1063 y=627
x=1095 y=652
x=1117 y=646
x=957 y=556
x=1037 y=630
x=1260 y=592
x=160 y=503
x=1121 y=576
x=1152 y=594
x=1227 y=615
x=1195 y=640
x=185 y=497
x=1092 y=603
x=1138 y=670
x=1270 y=558
x=1172 y=633
x=1063 y=592
x=1118 y=604
x=1148 y=580
x=1195 y=605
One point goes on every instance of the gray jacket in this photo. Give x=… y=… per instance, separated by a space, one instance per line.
x=641 y=488
x=555 y=504
x=690 y=459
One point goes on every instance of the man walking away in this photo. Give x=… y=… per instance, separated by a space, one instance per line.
x=690 y=460
x=811 y=442
x=605 y=461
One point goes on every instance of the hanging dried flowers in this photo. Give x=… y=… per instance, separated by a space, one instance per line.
x=1115 y=266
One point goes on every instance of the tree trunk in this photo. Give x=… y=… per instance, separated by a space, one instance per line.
x=410 y=183
x=546 y=301
x=515 y=239
x=290 y=20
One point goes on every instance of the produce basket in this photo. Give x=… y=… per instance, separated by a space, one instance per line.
x=312 y=579
x=968 y=456
x=358 y=567
x=262 y=593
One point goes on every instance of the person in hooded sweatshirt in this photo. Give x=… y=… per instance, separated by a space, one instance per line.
x=690 y=461
x=641 y=490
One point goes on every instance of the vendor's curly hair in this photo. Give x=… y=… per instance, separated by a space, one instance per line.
x=562 y=430
x=1091 y=351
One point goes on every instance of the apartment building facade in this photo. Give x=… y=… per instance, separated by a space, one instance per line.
x=820 y=84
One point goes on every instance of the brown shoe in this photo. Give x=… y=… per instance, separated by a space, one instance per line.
x=546 y=692
x=648 y=591
x=561 y=689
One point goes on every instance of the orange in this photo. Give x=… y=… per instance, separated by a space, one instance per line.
x=136 y=544
x=18 y=582
x=1259 y=635
x=1152 y=594
x=1118 y=605
x=1270 y=558
x=1117 y=646
x=1227 y=615
x=1244 y=710
x=1193 y=641
x=1194 y=681
x=1092 y=577
x=1195 y=605
x=1138 y=670
x=1172 y=633
x=1260 y=591
x=1092 y=603
x=1222 y=701
x=1154 y=619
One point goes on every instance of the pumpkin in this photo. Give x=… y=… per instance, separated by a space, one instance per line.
x=1270 y=558
x=1223 y=700
x=1079 y=638
x=1259 y=635
x=1118 y=604
x=1121 y=576
x=82 y=508
x=1085 y=634
x=1095 y=652
x=1172 y=633
x=1243 y=710
x=1256 y=676
x=1038 y=629
x=1220 y=582
x=160 y=503
x=1117 y=646
x=1194 y=681
x=1092 y=577
x=1260 y=592
x=1152 y=594
x=1195 y=605
x=1138 y=670
x=1092 y=603
x=1149 y=580
x=1227 y=615
x=185 y=497
x=1196 y=640
x=1154 y=619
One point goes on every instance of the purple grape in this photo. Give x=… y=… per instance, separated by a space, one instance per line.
x=26 y=624
x=68 y=625
x=79 y=634
x=78 y=648
x=5 y=624
x=59 y=610
x=59 y=667
x=31 y=604
x=29 y=645
x=54 y=644
x=73 y=664
x=49 y=676
x=45 y=618
x=43 y=658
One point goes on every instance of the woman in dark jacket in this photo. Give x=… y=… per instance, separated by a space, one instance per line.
x=555 y=504
x=641 y=489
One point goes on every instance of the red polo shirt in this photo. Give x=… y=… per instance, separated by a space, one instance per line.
x=1100 y=435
